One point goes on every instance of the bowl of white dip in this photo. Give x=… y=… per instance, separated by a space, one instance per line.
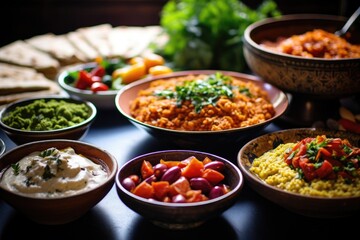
x=56 y=181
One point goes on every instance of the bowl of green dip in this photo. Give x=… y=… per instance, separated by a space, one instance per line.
x=36 y=119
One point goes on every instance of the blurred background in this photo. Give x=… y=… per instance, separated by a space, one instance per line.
x=22 y=19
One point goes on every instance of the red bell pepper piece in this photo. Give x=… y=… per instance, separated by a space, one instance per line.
x=349 y=125
x=98 y=71
x=325 y=170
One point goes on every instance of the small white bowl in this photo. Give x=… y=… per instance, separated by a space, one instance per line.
x=102 y=99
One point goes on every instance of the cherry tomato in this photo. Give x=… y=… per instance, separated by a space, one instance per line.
x=96 y=79
x=98 y=71
x=84 y=81
x=99 y=86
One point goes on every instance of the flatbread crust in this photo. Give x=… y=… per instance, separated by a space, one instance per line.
x=20 y=82
x=98 y=37
x=82 y=45
x=128 y=42
x=23 y=54
x=58 y=46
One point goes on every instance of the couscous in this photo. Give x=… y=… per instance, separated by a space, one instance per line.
x=314 y=178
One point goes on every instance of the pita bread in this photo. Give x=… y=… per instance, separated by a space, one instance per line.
x=17 y=72
x=98 y=37
x=58 y=46
x=82 y=45
x=19 y=82
x=52 y=89
x=23 y=54
x=140 y=39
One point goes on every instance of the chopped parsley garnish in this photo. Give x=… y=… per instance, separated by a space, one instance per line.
x=47 y=173
x=16 y=168
x=201 y=92
x=47 y=152
x=313 y=148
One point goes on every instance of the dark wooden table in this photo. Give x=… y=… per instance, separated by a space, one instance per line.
x=252 y=217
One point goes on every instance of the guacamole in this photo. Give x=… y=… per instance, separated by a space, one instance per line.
x=42 y=115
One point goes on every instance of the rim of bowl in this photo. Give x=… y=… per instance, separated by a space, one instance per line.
x=292 y=17
x=233 y=191
x=246 y=172
x=67 y=87
x=2 y=147
x=111 y=174
x=87 y=121
x=281 y=98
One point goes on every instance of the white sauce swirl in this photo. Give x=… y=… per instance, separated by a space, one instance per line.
x=53 y=173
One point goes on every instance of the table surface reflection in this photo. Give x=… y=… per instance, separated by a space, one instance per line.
x=252 y=217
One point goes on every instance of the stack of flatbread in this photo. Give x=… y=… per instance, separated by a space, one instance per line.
x=21 y=82
x=29 y=67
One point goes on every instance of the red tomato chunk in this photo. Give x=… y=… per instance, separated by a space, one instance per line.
x=189 y=180
x=324 y=158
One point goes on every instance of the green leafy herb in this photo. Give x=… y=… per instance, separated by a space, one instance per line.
x=47 y=173
x=47 y=152
x=201 y=92
x=313 y=148
x=29 y=182
x=245 y=91
x=16 y=168
x=207 y=34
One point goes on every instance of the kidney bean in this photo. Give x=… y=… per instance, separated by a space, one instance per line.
x=178 y=199
x=200 y=183
x=135 y=178
x=215 y=165
x=159 y=170
x=128 y=184
x=150 y=179
x=216 y=191
x=172 y=174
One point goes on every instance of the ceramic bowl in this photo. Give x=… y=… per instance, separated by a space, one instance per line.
x=178 y=216
x=2 y=147
x=315 y=77
x=58 y=210
x=74 y=132
x=198 y=138
x=311 y=206
x=101 y=99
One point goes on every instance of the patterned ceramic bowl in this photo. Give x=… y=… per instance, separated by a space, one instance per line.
x=311 y=205
x=316 y=77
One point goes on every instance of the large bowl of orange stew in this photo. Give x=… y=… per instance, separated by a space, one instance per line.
x=201 y=107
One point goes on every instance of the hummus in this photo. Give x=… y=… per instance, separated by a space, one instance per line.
x=53 y=173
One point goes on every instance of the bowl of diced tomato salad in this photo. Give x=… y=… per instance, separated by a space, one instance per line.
x=100 y=80
x=179 y=189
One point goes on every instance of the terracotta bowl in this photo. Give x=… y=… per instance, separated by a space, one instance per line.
x=178 y=216
x=58 y=210
x=198 y=138
x=74 y=132
x=315 y=77
x=318 y=207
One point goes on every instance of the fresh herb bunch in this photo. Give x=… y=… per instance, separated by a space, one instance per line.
x=207 y=34
x=201 y=92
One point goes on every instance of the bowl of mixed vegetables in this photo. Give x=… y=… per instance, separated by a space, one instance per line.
x=99 y=81
x=179 y=189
